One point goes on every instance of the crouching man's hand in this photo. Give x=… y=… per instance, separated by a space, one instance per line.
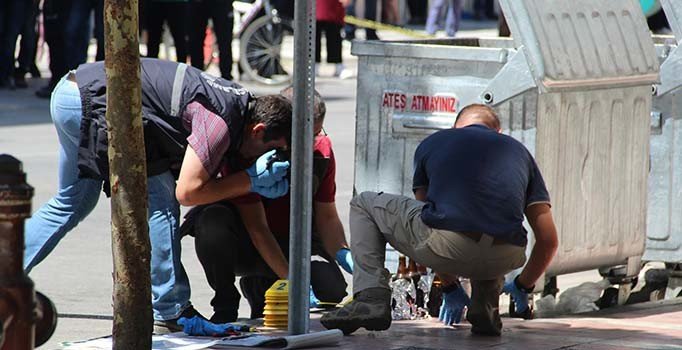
x=267 y=171
x=454 y=303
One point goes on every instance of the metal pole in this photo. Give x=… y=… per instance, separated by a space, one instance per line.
x=301 y=167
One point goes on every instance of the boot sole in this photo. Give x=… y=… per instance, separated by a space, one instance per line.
x=163 y=329
x=348 y=327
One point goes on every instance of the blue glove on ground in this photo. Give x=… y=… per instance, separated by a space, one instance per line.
x=277 y=190
x=519 y=297
x=452 y=309
x=314 y=302
x=264 y=174
x=345 y=259
x=199 y=326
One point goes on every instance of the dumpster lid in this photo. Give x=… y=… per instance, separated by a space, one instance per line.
x=583 y=42
x=673 y=12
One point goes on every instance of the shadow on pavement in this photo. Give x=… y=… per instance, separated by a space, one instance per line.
x=23 y=107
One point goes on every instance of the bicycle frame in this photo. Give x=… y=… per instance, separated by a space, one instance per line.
x=250 y=11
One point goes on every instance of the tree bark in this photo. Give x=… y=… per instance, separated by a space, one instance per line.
x=132 y=327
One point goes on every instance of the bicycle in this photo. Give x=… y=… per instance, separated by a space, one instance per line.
x=265 y=43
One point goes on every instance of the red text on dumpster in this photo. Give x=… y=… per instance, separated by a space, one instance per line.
x=418 y=103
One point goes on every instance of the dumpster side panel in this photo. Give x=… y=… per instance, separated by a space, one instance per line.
x=592 y=149
x=664 y=222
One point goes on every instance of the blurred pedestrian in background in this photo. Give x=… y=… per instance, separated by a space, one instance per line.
x=55 y=15
x=484 y=9
x=389 y=12
x=221 y=14
x=79 y=31
x=370 y=13
x=174 y=13
x=13 y=14
x=26 y=60
x=452 y=18
x=329 y=15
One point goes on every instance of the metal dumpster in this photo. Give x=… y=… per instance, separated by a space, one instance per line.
x=664 y=220
x=574 y=86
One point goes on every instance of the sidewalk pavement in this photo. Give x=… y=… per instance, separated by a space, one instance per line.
x=654 y=325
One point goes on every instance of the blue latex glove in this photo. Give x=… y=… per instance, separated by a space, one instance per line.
x=345 y=259
x=452 y=309
x=314 y=302
x=264 y=174
x=519 y=297
x=199 y=326
x=279 y=189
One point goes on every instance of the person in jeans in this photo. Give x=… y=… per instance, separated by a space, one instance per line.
x=472 y=186
x=452 y=18
x=249 y=237
x=192 y=122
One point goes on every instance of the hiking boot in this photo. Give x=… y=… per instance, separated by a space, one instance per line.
x=168 y=326
x=370 y=308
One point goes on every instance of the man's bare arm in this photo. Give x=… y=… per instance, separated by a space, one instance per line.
x=329 y=227
x=420 y=194
x=546 y=243
x=195 y=186
x=255 y=222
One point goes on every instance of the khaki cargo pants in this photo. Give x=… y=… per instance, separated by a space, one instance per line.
x=378 y=218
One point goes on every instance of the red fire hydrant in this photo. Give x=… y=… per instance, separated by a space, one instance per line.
x=27 y=318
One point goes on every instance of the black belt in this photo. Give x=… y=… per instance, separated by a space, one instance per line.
x=476 y=237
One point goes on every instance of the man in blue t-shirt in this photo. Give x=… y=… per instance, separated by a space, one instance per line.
x=472 y=186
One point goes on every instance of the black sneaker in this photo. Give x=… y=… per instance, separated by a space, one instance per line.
x=371 y=309
x=168 y=326
x=45 y=91
x=7 y=83
x=20 y=80
x=224 y=316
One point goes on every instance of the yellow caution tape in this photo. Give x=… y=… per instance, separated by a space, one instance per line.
x=365 y=23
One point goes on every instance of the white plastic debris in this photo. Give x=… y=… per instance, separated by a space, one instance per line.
x=573 y=300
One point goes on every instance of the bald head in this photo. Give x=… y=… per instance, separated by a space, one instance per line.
x=477 y=114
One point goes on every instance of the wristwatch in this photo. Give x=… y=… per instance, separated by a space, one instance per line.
x=522 y=288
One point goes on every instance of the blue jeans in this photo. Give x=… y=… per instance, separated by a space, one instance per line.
x=77 y=197
x=452 y=19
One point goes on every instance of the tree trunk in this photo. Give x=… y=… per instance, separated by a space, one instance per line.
x=128 y=172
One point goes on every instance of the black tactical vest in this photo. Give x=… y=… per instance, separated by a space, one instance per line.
x=167 y=88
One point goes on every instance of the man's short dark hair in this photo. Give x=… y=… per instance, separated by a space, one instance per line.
x=482 y=114
x=275 y=112
x=319 y=107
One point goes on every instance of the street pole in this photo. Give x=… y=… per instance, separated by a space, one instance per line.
x=132 y=327
x=301 y=167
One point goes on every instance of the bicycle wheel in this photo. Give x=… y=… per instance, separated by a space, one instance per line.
x=266 y=50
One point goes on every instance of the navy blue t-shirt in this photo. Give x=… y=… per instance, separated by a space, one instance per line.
x=478 y=180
